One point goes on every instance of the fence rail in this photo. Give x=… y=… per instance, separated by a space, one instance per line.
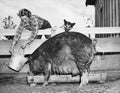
x=96 y=30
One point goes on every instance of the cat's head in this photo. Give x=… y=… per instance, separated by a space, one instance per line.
x=68 y=25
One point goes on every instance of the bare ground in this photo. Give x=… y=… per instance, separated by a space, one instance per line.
x=10 y=85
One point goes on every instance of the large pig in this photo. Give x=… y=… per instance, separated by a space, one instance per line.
x=66 y=53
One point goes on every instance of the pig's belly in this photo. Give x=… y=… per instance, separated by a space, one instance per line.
x=68 y=67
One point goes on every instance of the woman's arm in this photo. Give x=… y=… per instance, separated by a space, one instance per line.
x=16 y=37
x=33 y=34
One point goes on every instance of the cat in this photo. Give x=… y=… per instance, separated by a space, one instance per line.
x=68 y=25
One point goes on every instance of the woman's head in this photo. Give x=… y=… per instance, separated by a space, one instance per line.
x=24 y=12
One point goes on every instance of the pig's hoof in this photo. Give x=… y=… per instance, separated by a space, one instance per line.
x=45 y=84
x=102 y=81
x=83 y=84
x=32 y=84
x=80 y=86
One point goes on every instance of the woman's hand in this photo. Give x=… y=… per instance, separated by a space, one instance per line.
x=11 y=51
x=23 y=46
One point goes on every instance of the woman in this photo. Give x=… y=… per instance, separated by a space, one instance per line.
x=29 y=22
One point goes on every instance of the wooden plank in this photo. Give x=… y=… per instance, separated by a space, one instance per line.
x=96 y=30
x=108 y=44
x=106 y=62
x=110 y=13
x=105 y=14
x=117 y=13
x=114 y=15
x=21 y=77
x=101 y=62
x=11 y=32
x=5 y=46
x=100 y=76
x=66 y=78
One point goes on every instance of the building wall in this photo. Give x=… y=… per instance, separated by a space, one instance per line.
x=107 y=13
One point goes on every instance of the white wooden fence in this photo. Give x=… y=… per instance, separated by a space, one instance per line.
x=108 y=41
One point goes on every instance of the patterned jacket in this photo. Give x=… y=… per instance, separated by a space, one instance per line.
x=35 y=23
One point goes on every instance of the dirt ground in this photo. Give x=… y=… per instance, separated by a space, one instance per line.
x=10 y=85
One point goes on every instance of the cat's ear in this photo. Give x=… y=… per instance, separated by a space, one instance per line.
x=65 y=21
x=72 y=24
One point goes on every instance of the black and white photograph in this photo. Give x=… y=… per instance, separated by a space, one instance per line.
x=60 y=46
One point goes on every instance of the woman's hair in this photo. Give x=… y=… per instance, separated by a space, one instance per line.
x=24 y=12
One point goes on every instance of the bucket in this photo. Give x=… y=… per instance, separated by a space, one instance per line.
x=17 y=61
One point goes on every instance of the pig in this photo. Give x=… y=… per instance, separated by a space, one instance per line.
x=65 y=53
